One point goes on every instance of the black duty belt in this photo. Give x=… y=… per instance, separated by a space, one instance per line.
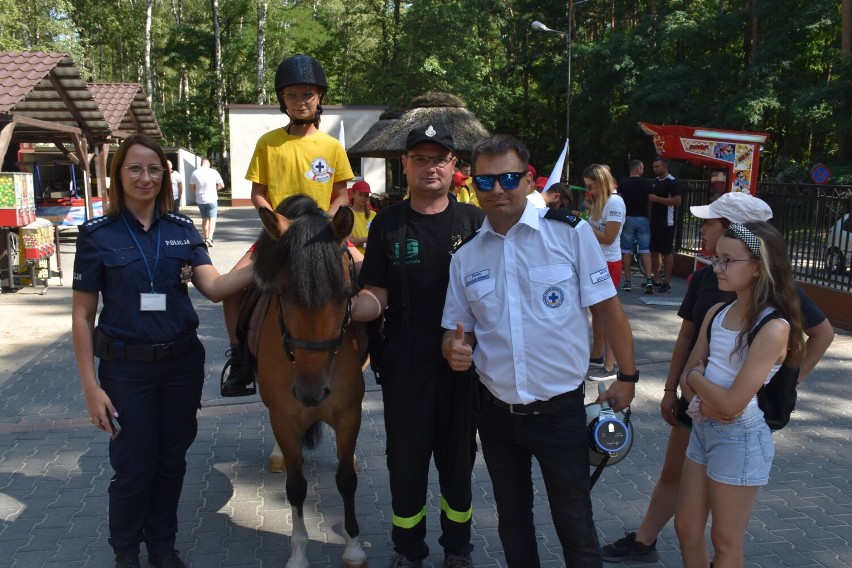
x=550 y=406
x=111 y=349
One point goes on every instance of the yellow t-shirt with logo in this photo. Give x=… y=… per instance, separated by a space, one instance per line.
x=295 y=165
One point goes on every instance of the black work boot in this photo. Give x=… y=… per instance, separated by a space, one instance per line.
x=237 y=379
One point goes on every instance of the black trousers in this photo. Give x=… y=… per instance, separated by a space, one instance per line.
x=427 y=413
x=157 y=404
x=559 y=442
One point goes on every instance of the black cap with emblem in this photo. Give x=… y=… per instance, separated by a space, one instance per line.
x=436 y=134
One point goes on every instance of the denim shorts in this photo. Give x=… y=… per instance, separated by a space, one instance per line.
x=208 y=210
x=635 y=229
x=739 y=453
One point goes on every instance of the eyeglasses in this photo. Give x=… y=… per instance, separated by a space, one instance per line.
x=299 y=98
x=424 y=161
x=154 y=172
x=509 y=180
x=722 y=263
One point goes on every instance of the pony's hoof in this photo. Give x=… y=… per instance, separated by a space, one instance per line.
x=275 y=464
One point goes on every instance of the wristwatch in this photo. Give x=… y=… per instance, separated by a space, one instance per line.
x=634 y=378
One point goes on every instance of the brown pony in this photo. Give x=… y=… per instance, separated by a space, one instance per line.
x=308 y=356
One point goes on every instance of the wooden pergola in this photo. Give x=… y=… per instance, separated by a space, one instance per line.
x=44 y=99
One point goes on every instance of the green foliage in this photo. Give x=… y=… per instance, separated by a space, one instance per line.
x=691 y=62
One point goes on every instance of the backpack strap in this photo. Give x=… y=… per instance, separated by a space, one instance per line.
x=710 y=325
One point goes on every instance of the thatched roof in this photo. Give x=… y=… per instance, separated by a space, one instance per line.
x=386 y=138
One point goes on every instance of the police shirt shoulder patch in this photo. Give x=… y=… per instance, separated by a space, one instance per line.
x=464 y=241
x=98 y=222
x=179 y=218
x=565 y=217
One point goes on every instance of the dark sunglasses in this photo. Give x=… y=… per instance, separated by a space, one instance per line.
x=509 y=180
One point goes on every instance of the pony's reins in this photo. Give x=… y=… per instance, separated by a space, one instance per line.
x=288 y=343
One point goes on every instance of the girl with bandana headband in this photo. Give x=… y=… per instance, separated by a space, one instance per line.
x=728 y=460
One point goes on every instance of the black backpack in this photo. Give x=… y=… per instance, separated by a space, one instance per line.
x=777 y=398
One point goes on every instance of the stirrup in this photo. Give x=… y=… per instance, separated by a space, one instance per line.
x=234 y=383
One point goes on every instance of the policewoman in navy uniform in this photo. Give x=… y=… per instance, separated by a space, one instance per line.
x=140 y=258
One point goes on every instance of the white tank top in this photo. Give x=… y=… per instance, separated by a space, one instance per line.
x=725 y=361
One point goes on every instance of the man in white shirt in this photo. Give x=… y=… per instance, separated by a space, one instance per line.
x=525 y=276
x=177 y=186
x=206 y=183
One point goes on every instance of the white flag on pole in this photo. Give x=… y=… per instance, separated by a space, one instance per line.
x=556 y=174
x=342 y=136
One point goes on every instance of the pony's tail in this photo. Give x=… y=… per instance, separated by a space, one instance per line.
x=312 y=436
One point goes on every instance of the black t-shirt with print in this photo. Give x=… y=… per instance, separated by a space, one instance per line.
x=429 y=241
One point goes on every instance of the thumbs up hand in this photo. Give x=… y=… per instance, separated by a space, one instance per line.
x=455 y=350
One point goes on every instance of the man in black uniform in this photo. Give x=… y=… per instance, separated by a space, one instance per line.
x=427 y=409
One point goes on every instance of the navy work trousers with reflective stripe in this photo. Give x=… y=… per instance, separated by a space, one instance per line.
x=157 y=404
x=560 y=444
x=427 y=412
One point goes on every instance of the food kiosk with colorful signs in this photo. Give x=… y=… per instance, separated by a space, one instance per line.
x=733 y=156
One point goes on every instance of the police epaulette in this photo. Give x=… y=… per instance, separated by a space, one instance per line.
x=564 y=216
x=98 y=222
x=179 y=217
x=465 y=240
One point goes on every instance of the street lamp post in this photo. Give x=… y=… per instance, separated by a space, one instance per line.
x=538 y=26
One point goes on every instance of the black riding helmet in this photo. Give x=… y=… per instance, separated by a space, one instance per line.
x=300 y=69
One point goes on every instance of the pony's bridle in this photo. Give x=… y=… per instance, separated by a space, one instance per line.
x=288 y=343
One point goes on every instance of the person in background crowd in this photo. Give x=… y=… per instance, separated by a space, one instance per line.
x=730 y=450
x=665 y=198
x=466 y=193
x=177 y=186
x=296 y=159
x=703 y=292
x=139 y=259
x=635 y=190
x=558 y=196
x=206 y=183
x=525 y=273
x=363 y=213
x=427 y=405
x=606 y=216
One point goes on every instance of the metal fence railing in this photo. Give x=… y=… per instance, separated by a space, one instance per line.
x=816 y=222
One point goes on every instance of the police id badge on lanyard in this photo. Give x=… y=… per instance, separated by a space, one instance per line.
x=149 y=301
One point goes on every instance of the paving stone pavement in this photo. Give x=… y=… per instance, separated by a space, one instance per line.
x=54 y=469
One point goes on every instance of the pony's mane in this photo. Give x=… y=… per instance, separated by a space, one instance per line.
x=304 y=263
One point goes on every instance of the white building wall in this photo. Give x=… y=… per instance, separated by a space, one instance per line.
x=250 y=122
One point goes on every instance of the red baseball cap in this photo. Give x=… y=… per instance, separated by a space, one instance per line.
x=459 y=178
x=361 y=186
x=540 y=182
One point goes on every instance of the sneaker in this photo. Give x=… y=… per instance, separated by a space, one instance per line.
x=400 y=561
x=665 y=287
x=626 y=286
x=649 y=287
x=127 y=561
x=238 y=381
x=166 y=560
x=659 y=284
x=457 y=560
x=209 y=243
x=596 y=362
x=601 y=374
x=628 y=549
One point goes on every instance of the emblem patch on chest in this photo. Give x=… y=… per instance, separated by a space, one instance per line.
x=320 y=170
x=553 y=297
